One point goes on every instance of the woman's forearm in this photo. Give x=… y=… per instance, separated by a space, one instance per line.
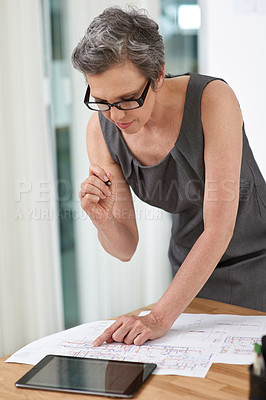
x=117 y=239
x=192 y=275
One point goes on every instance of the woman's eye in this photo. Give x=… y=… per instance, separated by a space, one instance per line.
x=131 y=99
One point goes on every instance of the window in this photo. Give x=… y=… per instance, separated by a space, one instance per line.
x=179 y=24
x=59 y=111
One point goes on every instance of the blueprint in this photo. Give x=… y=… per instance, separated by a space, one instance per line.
x=189 y=348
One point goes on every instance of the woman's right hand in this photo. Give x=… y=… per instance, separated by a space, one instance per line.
x=96 y=197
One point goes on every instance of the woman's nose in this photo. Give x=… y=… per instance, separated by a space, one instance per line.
x=117 y=114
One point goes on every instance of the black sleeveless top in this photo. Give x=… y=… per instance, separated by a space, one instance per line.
x=176 y=184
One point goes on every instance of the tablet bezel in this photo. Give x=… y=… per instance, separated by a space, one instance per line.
x=23 y=382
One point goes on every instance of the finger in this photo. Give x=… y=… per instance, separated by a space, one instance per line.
x=110 y=179
x=143 y=337
x=134 y=332
x=95 y=187
x=120 y=334
x=92 y=190
x=107 y=334
x=88 y=199
x=103 y=187
x=130 y=324
x=100 y=172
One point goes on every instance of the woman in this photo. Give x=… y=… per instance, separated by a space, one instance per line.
x=179 y=142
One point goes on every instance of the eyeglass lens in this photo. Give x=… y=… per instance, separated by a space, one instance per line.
x=121 y=105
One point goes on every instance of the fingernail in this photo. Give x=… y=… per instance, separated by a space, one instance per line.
x=105 y=178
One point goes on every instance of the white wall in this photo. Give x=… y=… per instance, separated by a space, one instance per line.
x=232 y=46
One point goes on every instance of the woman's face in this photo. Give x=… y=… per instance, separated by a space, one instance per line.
x=123 y=82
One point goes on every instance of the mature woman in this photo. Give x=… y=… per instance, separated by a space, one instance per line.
x=179 y=142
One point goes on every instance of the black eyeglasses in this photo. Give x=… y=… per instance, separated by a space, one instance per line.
x=121 y=105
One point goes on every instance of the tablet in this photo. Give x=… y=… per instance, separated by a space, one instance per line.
x=87 y=376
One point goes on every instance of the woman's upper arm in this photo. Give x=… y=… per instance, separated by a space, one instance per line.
x=222 y=125
x=98 y=153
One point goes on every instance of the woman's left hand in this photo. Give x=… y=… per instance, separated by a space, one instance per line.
x=132 y=330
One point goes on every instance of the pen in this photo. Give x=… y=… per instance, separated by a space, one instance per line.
x=258 y=364
x=263 y=342
x=108 y=183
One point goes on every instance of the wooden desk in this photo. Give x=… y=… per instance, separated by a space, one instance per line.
x=223 y=381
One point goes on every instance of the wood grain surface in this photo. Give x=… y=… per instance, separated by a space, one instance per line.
x=223 y=381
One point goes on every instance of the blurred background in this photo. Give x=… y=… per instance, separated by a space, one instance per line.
x=53 y=272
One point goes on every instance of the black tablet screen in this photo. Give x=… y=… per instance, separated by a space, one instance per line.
x=89 y=375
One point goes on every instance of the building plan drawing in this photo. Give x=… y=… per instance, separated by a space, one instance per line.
x=193 y=343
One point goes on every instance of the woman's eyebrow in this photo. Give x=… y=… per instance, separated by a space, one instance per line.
x=129 y=94
x=98 y=99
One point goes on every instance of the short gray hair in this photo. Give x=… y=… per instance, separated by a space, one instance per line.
x=116 y=36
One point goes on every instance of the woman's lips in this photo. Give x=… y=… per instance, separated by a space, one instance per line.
x=124 y=125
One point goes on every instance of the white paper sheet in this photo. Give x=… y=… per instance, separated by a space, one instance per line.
x=230 y=337
x=188 y=348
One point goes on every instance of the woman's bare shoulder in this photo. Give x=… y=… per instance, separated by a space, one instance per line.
x=220 y=102
x=218 y=92
x=96 y=146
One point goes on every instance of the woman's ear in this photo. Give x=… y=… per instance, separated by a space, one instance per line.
x=160 y=79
